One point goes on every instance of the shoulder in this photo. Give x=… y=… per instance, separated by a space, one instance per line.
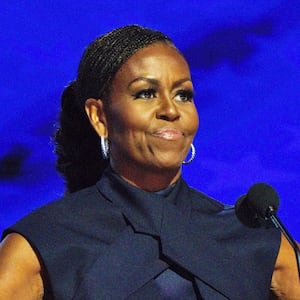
x=205 y=203
x=77 y=227
x=71 y=208
x=285 y=280
x=83 y=217
x=19 y=270
x=222 y=223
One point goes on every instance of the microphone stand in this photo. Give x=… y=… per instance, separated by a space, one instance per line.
x=271 y=214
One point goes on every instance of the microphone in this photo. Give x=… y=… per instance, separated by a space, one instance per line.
x=261 y=203
x=257 y=205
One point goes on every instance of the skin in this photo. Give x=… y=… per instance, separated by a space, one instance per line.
x=286 y=281
x=151 y=118
x=150 y=122
x=20 y=271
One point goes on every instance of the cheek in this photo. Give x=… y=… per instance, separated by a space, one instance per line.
x=126 y=123
x=197 y=122
x=192 y=122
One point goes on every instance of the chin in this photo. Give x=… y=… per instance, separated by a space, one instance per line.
x=170 y=165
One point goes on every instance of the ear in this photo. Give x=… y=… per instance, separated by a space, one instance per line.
x=95 y=112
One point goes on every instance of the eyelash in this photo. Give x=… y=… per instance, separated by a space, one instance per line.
x=188 y=94
x=141 y=94
x=151 y=93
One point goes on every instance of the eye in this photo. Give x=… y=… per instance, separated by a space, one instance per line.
x=145 y=94
x=184 y=95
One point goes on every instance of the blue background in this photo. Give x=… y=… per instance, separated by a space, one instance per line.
x=245 y=62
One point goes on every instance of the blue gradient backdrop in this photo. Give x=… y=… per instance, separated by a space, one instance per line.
x=245 y=61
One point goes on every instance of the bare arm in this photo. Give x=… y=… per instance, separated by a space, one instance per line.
x=285 y=280
x=19 y=270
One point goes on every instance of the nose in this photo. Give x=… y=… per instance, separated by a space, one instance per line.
x=167 y=110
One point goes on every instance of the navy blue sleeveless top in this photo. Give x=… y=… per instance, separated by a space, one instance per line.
x=115 y=241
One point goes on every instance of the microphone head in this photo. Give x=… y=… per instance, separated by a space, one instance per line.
x=245 y=213
x=261 y=197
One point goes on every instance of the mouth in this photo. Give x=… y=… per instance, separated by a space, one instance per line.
x=168 y=133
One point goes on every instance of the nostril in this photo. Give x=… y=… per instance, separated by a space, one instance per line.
x=170 y=116
x=164 y=118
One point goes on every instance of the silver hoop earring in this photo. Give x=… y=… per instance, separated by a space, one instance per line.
x=104 y=147
x=193 y=154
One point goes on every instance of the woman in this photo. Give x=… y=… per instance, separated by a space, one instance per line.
x=129 y=226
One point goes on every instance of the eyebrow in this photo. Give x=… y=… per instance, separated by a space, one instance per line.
x=156 y=82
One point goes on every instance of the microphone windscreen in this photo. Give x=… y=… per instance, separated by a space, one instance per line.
x=261 y=197
x=245 y=213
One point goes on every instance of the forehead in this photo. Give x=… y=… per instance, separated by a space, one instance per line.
x=156 y=58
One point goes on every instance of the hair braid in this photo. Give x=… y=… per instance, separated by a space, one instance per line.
x=77 y=144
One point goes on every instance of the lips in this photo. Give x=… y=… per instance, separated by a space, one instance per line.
x=169 y=133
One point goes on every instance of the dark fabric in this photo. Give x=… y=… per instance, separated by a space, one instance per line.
x=173 y=286
x=114 y=241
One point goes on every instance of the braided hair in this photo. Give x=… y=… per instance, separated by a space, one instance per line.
x=76 y=142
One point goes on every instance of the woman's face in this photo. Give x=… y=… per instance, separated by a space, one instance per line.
x=151 y=116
